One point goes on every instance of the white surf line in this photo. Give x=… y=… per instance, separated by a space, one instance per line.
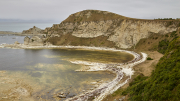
x=127 y=69
x=92 y=66
x=2 y=45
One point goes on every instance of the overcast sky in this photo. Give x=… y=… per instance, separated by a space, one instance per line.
x=59 y=10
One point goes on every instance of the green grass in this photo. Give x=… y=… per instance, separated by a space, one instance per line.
x=163 y=45
x=117 y=92
x=164 y=83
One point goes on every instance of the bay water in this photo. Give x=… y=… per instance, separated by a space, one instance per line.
x=43 y=73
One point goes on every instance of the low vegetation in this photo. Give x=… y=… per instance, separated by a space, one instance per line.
x=163 y=45
x=156 y=42
x=68 y=39
x=163 y=84
x=167 y=19
x=149 y=58
x=93 y=15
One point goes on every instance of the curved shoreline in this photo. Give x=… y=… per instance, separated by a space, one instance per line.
x=120 y=69
x=105 y=89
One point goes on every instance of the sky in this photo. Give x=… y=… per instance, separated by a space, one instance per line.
x=59 y=10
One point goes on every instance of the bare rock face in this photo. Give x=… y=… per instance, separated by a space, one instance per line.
x=34 y=41
x=26 y=40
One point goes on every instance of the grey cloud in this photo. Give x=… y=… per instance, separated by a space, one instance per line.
x=61 y=9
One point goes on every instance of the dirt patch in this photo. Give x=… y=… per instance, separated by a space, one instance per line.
x=149 y=65
x=144 y=68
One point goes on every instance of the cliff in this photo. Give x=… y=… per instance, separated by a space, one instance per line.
x=94 y=25
x=34 y=41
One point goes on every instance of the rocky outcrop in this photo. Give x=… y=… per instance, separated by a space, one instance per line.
x=34 y=41
x=124 y=32
x=33 y=31
x=26 y=40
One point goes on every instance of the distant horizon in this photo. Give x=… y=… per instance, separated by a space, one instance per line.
x=20 y=26
x=22 y=20
x=57 y=21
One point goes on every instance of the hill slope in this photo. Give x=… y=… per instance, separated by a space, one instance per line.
x=93 y=15
x=122 y=31
x=163 y=84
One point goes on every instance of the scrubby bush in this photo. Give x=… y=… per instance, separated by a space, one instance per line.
x=149 y=58
x=173 y=34
x=164 y=83
x=163 y=45
x=166 y=35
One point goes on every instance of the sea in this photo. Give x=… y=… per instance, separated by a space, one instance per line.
x=20 y=26
x=42 y=74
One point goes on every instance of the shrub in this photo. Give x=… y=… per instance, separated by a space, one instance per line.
x=173 y=34
x=169 y=23
x=163 y=45
x=149 y=58
x=166 y=35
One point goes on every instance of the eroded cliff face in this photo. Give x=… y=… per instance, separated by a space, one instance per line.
x=124 y=32
x=34 y=41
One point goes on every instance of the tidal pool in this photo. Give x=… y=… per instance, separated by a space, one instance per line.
x=43 y=73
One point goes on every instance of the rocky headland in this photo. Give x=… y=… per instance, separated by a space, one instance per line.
x=33 y=31
x=102 y=28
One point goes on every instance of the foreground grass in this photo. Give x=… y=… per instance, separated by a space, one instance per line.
x=153 y=80
x=163 y=84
